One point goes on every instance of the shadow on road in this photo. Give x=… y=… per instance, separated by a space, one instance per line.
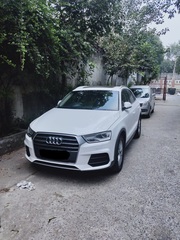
x=70 y=175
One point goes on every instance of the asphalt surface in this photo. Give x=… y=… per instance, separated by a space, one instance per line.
x=141 y=202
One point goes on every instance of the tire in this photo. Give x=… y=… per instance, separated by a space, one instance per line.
x=153 y=109
x=149 y=113
x=118 y=154
x=138 y=130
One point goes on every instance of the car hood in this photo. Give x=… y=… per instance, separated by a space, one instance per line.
x=143 y=100
x=77 y=122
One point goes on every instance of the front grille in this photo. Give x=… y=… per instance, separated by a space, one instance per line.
x=69 y=143
x=56 y=147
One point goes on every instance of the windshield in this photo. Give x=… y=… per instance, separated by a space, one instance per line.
x=91 y=99
x=140 y=92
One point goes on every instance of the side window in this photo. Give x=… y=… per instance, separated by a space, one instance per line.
x=132 y=98
x=127 y=96
x=124 y=97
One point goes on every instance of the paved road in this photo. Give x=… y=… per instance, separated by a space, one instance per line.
x=142 y=202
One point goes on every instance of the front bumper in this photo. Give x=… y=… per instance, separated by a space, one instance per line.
x=85 y=157
x=144 y=109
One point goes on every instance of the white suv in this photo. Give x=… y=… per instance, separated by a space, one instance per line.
x=88 y=130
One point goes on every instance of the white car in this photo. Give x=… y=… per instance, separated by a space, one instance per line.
x=146 y=97
x=88 y=130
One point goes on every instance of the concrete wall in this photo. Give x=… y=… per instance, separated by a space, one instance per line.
x=98 y=76
x=28 y=106
x=11 y=143
x=18 y=103
x=173 y=81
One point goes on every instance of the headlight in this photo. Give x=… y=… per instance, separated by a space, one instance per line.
x=30 y=132
x=98 y=137
x=145 y=104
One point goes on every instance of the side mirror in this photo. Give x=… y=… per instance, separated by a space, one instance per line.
x=126 y=105
x=58 y=102
x=146 y=95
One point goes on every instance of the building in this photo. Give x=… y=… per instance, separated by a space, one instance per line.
x=173 y=81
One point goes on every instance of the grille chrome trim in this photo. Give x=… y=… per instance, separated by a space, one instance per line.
x=68 y=142
x=54 y=140
x=54 y=150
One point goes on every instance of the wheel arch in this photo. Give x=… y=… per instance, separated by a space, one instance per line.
x=123 y=133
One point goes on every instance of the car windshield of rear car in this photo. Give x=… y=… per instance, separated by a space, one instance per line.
x=141 y=92
x=91 y=99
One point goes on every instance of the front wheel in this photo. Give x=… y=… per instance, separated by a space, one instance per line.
x=149 y=113
x=118 y=154
x=153 y=108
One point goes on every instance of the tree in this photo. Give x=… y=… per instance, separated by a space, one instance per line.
x=134 y=48
x=123 y=56
x=171 y=7
x=171 y=59
x=41 y=42
x=83 y=22
x=149 y=55
x=52 y=37
x=177 y=4
x=167 y=66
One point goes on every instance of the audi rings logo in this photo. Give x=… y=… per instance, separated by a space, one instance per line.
x=54 y=140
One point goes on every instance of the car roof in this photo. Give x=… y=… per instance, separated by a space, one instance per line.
x=140 y=86
x=85 y=88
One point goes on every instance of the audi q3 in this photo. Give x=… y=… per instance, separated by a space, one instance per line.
x=87 y=130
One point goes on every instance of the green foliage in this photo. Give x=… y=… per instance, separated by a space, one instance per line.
x=52 y=37
x=149 y=55
x=167 y=66
x=177 y=4
x=117 y=52
x=135 y=48
x=171 y=60
x=42 y=43
x=124 y=55
x=173 y=51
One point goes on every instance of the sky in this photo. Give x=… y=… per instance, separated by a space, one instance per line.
x=173 y=35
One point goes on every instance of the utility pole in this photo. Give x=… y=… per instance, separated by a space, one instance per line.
x=164 y=90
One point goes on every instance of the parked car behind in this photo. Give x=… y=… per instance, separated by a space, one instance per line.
x=88 y=130
x=146 y=97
